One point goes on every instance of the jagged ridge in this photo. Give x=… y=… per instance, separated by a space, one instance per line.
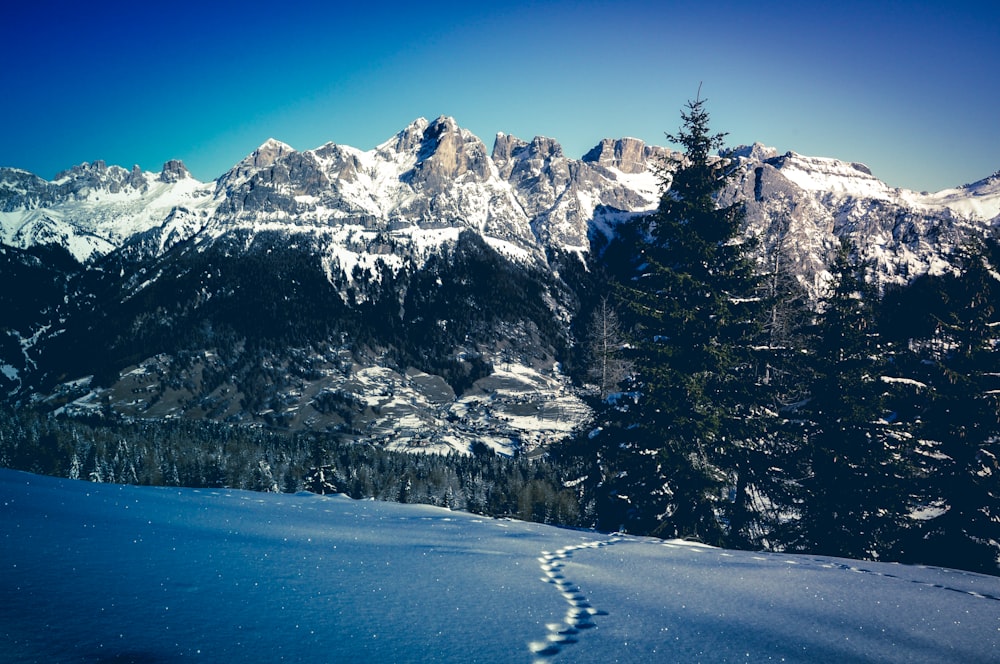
x=524 y=198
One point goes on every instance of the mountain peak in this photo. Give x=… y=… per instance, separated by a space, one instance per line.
x=546 y=148
x=506 y=146
x=628 y=155
x=418 y=125
x=269 y=152
x=173 y=171
x=445 y=123
x=445 y=151
x=756 y=152
x=273 y=143
x=94 y=168
x=407 y=139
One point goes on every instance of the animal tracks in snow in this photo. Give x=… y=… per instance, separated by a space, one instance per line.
x=579 y=612
x=940 y=586
x=853 y=566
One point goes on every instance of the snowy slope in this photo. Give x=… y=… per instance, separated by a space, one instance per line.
x=106 y=573
x=842 y=180
x=978 y=200
x=93 y=209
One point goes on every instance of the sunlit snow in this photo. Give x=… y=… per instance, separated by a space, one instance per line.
x=107 y=573
x=831 y=176
x=96 y=221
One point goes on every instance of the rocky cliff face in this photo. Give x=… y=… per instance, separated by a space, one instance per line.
x=628 y=155
x=801 y=207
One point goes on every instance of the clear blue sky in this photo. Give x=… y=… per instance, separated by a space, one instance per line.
x=910 y=88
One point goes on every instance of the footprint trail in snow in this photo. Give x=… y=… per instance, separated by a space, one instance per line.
x=579 y=612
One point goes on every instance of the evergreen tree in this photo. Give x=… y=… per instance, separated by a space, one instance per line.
x=689 y=289
x=853 y=490
x=960 y=428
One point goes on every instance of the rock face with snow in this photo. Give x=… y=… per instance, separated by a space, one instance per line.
x=525 y=198
x=628 y=155
x=430 y=260
x=802 y=206
x=93 y=209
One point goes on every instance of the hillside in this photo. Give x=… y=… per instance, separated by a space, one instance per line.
x=96 y=572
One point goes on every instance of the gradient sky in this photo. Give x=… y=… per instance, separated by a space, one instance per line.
x=912 y=89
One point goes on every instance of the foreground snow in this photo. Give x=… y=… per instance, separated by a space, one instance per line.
x=107 y=573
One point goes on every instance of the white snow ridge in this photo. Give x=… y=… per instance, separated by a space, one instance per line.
x=108 y=573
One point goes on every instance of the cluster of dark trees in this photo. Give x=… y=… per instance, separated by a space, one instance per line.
x=248 y=297
x=202 y=453
x=867 y=426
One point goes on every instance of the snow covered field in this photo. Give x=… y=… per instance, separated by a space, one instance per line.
x=107 y=573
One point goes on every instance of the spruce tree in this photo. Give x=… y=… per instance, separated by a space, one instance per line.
x=853 y=489
x=959 y=525
x=671 y=458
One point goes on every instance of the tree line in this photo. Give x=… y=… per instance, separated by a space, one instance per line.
x=202 y=453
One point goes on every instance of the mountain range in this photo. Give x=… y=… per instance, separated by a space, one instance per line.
x=421 y=294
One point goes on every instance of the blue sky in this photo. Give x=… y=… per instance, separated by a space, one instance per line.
x=909 y=88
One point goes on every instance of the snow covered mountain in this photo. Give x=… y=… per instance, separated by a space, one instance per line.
x=92 y=209
x=427 y=284
x=417 y=190
x=110 y=573
x=415 y=193
x=801 y=206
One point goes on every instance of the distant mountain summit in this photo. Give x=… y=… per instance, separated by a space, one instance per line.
x=92 y=209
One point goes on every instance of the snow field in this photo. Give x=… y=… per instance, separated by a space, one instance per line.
x=107 y=573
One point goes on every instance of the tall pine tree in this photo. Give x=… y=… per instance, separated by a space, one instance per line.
x=853 y=489
x=672 y=458
x=959 y=525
